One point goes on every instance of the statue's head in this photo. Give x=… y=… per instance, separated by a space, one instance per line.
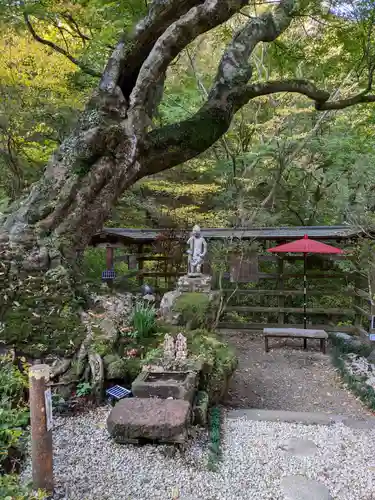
x=196 y=230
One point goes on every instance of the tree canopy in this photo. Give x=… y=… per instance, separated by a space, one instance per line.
x=252 y=160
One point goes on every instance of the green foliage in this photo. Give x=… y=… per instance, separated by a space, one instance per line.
x=215 y=439
x=200 y=408
x=219 y=362
x=40 y=313
x=355 y=346
x=118 y=367
x=83 y=389
x=12 y=489
x=194 y=309
x=356 y=384
x=14 y=415
x=143 y=320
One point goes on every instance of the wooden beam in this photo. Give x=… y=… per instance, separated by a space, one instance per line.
x=143 y=257
x=362 y=312
x=362 y=293
x=285 y=293
x=310 y=310
x=260 y=326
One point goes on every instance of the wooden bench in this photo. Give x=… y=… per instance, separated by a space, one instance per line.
x=296 y=333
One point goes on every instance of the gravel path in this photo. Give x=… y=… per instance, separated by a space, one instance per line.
x=256 y=458
x=287 y=378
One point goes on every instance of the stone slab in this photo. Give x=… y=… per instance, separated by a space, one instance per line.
x=306 y=418
x=165 y=385
x=159 y=420
x=301 y=488
x=300 y=447
x=295 y=333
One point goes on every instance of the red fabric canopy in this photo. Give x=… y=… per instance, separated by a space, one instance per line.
x=305 y=245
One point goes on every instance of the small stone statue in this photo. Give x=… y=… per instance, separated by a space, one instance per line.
x=197 y=251
x=169 y=349
x=181 y=347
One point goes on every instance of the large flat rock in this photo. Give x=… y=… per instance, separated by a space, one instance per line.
x=302 y=488
x=160 y=420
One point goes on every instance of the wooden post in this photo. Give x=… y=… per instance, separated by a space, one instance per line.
x=109 y=258
x=357 y=302
x=41 y=428
x=140 y=264
x=280 y=286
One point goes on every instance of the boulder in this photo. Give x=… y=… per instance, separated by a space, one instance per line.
x=162 y=420
x=166 y=307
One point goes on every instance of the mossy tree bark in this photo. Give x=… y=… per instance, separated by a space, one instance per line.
x=112 y=147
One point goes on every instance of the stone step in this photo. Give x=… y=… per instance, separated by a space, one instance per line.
x=307 y=418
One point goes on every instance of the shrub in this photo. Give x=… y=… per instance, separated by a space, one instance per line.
x=14 y=415
x=219 y=360
x=194 y=309
x=356 y=384
x=11 y=489
x=143 y=320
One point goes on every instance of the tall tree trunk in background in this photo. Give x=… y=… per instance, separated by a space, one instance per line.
x=110 y=149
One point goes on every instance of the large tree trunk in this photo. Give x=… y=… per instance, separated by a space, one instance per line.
x=110 y=149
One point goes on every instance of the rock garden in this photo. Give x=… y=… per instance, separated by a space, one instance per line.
x=156 y=404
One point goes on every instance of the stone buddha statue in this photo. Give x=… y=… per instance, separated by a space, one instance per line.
x=197 y=251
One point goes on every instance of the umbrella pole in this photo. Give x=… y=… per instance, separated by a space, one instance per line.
x=304 y=291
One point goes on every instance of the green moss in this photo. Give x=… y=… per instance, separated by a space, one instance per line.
x=121 y=368
x=40 y=313
x=219 y=362
x=194 y=309
x=201 y=408
x=215 y=439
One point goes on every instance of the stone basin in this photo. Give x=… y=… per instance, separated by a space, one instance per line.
x=165 y=384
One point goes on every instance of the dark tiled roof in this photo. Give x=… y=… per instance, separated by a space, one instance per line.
x=264 y=233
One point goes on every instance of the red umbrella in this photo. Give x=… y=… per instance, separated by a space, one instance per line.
x=305 y=246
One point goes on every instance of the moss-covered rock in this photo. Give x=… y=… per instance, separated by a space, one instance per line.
x=219 y=363
x=193 y=309
x=117 y=367
x=200 y=409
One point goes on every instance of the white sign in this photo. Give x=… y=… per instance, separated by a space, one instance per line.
x=48 y=406
x=372 y=336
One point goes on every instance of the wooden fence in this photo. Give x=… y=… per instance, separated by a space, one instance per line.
x=269 y=285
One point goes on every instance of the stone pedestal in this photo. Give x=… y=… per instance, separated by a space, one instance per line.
x=194 y=283
x=160 y=420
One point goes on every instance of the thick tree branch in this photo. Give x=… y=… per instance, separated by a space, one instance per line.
x=161 y=15
x=179 y=142
x=304 y=87
x=361 y=98
x=58 y=49
x=177 y=36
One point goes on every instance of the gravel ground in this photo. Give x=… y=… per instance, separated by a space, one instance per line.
x=287 y=378
x=89 y=465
